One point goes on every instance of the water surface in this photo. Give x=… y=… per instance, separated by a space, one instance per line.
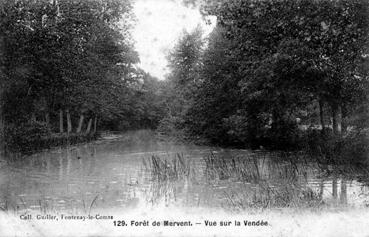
x=119 y=172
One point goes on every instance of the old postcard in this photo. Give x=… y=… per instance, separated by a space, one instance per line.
x=184 y=118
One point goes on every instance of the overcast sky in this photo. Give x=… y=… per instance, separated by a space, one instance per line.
x=160 y=23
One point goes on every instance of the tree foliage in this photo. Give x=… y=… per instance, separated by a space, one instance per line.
x=268 y=62
x=72 y=58
x=185 y=62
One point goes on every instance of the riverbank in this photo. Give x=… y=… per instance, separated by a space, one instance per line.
x=324 y=147
x=30 y=145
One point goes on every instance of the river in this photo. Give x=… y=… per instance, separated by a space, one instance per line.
x=135 y=169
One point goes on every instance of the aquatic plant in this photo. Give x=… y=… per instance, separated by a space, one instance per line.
x=171 y=168
x=168 y=174
x=265 y=183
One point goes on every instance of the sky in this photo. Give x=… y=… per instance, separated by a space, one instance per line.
x=159 y=25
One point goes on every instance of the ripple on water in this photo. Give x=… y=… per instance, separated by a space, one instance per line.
x=119 y=161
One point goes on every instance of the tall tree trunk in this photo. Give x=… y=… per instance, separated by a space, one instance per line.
x=321 y=112
x=55 y=3
x=344 y=120
x=2 y=129
x=69 y=122
x=47 y=119
x=80 y=123
x=61 y=125
x=95 y=125
x=33 y=117
x=334 y=188
x=337 y=119
x=88 y=130
x=343 y=195
x=321 y=189
x=2 y=90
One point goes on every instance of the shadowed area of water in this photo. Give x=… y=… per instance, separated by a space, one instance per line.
x=126 y=171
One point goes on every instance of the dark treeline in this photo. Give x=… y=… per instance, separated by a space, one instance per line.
x=279 y=74
x=67 y=68
x=273 y=73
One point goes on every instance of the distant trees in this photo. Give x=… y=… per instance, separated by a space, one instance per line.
x=149 y=101
x=143 y=104
x=268 y=63
x=185 y=62
x=218 y=94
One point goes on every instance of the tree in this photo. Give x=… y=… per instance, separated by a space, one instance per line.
x=218 y=93
x=70 y=60
x=184 y=63
x=280 y=57
x=333 y=32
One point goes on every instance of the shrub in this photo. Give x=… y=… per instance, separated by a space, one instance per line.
x=283 y=135
x=351 y=148
x=171 y=126
x=31 y=137
x=24 y=136
x=237 y=129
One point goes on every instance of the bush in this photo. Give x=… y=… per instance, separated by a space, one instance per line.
x=237 y=129
x=171 y=126
x=24 y=136
x=351 y=148
x=283 y=135
x=356 y=148
x=28 y=138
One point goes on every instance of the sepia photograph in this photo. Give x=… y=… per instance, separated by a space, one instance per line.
x=184 y=118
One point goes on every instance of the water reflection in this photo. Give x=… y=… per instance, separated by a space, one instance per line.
x=136 y=169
